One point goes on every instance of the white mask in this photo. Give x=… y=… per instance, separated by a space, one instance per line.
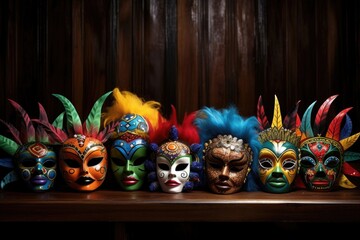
x=173 y=168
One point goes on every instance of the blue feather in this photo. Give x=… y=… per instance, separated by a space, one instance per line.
x=347 y=128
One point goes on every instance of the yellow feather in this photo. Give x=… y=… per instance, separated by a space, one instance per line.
x=127 y=102
x=345 y=182
x=277 y=120
x=349 y=141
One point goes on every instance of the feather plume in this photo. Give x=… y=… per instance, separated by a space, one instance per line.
x=14 y=132
x=9 y=178
x=93 y=120
x=277 y=119
x=290 y=120
x=73 y=119
x=59 y=121
x=335 y=125
x=347 y=128
x=351 y=156
x=58 y=135
x=305 y=126
x=8 y=145
x=6 y=162
x=349 y=141
x=345 y=182
x=27 y=133
x=42 y=113
x=349 y=170
x=261 y=116
x=320 y=117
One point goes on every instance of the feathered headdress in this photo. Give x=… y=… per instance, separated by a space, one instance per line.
x=212 y=122
x=126 y=102
x=185 y=132
x=74 y=126
x=28 y=133
x=334 y=132
x=279 y=130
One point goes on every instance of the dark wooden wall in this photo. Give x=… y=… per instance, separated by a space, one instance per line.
x=186 y=53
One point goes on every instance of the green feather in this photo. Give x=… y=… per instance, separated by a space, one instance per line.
x=351 y=156
x=59 y=121
x=93 y=121
x=72 y=117
x=305 y=126
x=8 y=145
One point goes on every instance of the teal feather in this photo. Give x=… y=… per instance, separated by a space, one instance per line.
x=351 y=156
x=305 y=126
x=6 y=162
x=93 y=120
x=72 y=117
x=9 y=178
x=8 y=145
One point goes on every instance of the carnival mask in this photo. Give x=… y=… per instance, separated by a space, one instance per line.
x=36 y=164
x=173 y=160
x=83 y=163
x=227 y=161
x=323 y=162
x=279 y=153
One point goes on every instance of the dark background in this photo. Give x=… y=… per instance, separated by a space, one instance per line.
x=186 y=53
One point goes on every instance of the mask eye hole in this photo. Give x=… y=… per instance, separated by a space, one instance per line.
x=163 y=166
x=181 y=166
x=94 y=161
x=72 y=163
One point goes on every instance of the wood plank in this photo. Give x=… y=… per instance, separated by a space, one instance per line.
x=142 y=206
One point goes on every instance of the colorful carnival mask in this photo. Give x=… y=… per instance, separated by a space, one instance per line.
x=176 y=161
x=323 y=163
x=279 y=154
x=227 y=162
x=33 y=159
x=83 y=157
x=173 y=160
x=230 y=144
x=129 y=150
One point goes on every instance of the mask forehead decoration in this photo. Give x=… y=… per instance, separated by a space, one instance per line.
x=129 y=149
x=82 y=156
x=33 y=159
x=175 y=166
x=324 y=163
x=279 y=155
x=230 y=143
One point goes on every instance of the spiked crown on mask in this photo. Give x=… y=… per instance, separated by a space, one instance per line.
x=28 y=133
x=186 y=133
x=279 y=130
x=127 y=104
x=339 y=137
x=212 y=122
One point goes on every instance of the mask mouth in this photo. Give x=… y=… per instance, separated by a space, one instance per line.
x=39 y=180
x=172 y=183
x=85 y=181
x=129 y=181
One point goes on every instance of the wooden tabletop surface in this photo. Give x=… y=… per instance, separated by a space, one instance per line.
x=135 y=206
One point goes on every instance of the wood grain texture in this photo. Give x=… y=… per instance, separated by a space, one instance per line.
x=196 y=206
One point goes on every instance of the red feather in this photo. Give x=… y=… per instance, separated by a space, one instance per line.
x=261 y=116
x=350 y=171
x=291 y=118
x=321 y=115
x=27 y=131
x=335 y=125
